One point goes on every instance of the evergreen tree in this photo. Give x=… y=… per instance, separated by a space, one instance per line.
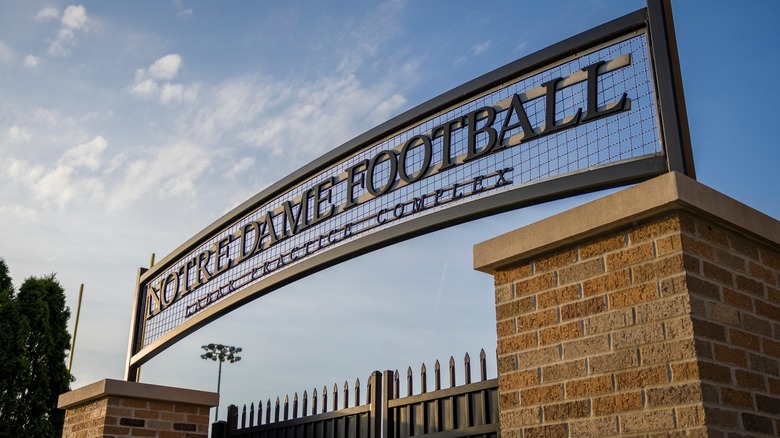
x=11 y=346
x=33 y=345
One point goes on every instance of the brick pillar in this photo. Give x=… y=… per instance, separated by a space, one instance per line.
x=115 y=408
x=654 y=311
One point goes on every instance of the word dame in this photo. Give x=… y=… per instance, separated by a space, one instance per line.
x=486 y=131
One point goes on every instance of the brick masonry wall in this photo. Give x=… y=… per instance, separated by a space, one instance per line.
x=85 y=421
x=132 y=417
x=666 y=328
x=735 y=305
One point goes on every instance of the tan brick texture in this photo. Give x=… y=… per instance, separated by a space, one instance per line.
x=120 y=417
x=668 y=327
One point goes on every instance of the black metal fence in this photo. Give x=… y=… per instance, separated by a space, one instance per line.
x=468 y=410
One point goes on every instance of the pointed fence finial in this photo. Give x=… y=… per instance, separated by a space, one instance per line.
x=295 y=405
x=357 y=392
x=396 y=385
x=452 y=372
x=423 y=380
x=467 y=367
x=369 y=386
x=276 y=411
x=305 y=407
x=324 y=399
x=436 y=376
x=268 y=412
x=346 y=395
x=409 y=382
x=482 y=365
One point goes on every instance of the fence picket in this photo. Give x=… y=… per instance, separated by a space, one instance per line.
x=409 y=382
x=468 y=410
x=396 y=385
x=436 y=376
x=335 y=397
x=232 y=417
x=387 y=426
x=259 y=412
x=357 y=392
x=482 y=365
x=467 y=368
x=452 y=372
x=423 y=380
x=469 y=420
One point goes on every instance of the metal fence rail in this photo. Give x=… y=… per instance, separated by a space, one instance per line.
x=468 y=410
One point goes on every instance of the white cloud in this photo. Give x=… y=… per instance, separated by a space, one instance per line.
x=144 y=88
x=173 y=172
x=86 y=155
x=117 y=162
x=334 y=108
x=47 y=13
x=73 y=19
x=162 y=70
x=182 y=13
x=389 y=107
x=171 y=92
x=57 y=48
x=165 y=68
x=178 y=93
x=21 y=172
x=480 y=48
x=521 y=46
x=58 y=186
x=19 y=211
x=18 y=135
x=6 y=52
x=240 y=167
x=32 y=61
x=55 y=186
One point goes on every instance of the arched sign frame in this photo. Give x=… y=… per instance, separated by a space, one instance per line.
x=226 y=258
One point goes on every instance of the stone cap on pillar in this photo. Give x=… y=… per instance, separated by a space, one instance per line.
x=120 y=388
x=668 y=192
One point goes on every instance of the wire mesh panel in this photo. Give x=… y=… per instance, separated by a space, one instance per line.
x=579 y=114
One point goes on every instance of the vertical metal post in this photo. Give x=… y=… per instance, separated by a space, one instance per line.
x=674 y=117
x=75 y=329
x=219 y=382
x=388 y=422
x=219 y=429
x=133 y=372
x=376 y=424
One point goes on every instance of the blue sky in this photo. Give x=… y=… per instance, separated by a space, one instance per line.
x=126 y=128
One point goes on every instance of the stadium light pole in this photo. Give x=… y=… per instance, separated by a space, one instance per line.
x=221 y=353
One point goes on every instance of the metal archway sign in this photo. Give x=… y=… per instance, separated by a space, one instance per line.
x=598 y=110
